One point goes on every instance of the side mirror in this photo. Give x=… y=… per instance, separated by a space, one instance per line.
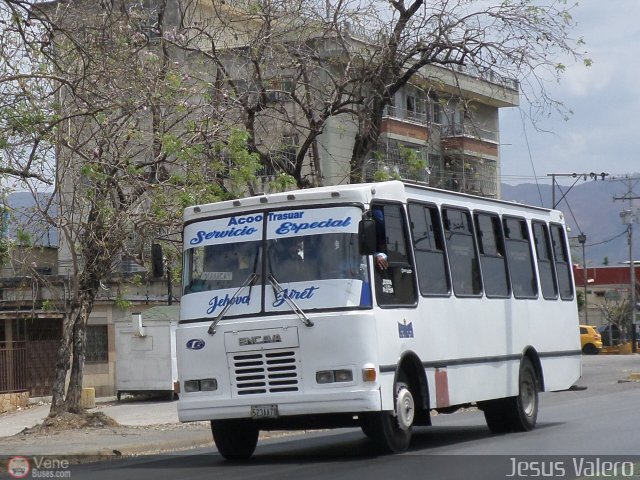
x=367 y=236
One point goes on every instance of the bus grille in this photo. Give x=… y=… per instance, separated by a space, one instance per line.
x=272 y=371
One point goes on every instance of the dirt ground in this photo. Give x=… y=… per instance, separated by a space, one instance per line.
x=71 y=421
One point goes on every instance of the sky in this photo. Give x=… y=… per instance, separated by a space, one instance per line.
x=603 y=134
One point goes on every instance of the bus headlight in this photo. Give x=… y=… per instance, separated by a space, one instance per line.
x=332 y=376
x=192 y=386
x=203 y=385
x=343 y=375
x=208 y=384
x=325 y=376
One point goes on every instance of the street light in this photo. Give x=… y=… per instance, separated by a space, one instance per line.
x=582 y=239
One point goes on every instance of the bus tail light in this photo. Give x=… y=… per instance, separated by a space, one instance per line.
x=369 y=374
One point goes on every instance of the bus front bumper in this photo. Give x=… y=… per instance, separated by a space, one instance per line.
x=200 y=408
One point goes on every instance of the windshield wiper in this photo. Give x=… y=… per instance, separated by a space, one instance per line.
x=277 y=288
x=249 y=282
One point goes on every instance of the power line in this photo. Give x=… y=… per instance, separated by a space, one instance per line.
x=624 y=232
x=526 y=139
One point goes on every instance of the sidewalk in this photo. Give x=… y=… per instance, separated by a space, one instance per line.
x=149 y=426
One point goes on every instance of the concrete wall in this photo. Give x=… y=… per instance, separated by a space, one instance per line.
x=10 y=402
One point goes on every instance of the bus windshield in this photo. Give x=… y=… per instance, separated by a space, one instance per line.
x=311 y=253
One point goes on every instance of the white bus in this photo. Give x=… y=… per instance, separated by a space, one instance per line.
x=290 y=320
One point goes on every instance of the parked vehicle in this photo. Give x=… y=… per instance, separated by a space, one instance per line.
x=610 y=334
x=590 y=340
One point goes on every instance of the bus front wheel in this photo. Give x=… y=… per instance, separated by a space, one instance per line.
x=391 y=431
x=235 y=439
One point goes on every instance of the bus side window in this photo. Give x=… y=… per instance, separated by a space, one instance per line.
x=561 y=258
x=519 y=258
x=463 y=258
x=546 y=268
x=428 y=245
x=492 y=255
x=394 y=285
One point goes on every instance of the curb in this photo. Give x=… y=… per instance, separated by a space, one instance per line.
x=98 y=445
x=197 y=440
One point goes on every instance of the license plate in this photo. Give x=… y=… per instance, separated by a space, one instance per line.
x=264 y=411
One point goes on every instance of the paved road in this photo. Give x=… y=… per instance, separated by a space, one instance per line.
x=576 y=429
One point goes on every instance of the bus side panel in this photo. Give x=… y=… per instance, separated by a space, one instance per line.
x=560 y=373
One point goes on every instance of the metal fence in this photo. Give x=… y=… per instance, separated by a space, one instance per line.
x=13 y=367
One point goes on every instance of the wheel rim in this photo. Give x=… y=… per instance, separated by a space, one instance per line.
x=405 y=409
x=528 y=397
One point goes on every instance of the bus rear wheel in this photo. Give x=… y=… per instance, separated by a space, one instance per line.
x=235 y=439
x=392 y=431
x=524 y=409
x=519 y=413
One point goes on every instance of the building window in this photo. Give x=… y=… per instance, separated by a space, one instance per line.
x=97 y=344
x=411 y=103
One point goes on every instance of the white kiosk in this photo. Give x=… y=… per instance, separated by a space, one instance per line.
x=146 y=352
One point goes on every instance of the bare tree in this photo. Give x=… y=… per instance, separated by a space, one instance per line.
x=287 y=67
x=121 y=127
x=498 y=43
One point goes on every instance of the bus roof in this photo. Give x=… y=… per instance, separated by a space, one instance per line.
x=361 y=193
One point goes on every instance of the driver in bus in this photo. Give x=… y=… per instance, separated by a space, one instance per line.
x=380 y=257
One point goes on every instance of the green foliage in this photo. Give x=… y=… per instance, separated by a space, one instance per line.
x=48 y=306
x=245 y=164
x=121 y=302
x=580 y=300
x=5 y=248
x=282 y=182
x=416 y=166
x=381 y=176
x=23 y=238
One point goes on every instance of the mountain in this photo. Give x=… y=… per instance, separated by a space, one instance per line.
x=589 y=207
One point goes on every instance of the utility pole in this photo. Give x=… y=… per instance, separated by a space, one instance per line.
x=577 y=176
x=629 y=217
x=582 y=239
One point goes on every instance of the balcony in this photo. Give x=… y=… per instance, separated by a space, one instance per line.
x=469 y=131
x=419 y=118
